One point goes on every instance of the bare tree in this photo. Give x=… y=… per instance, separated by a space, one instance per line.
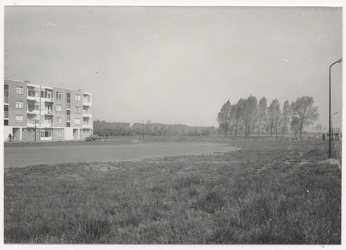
x=273 y=115
x=250 y=111
x=233 y=116
x=305 y=112
x=239 y=114
x=286 y=116
x=277 y=119
x=294 y=125
x=223 y=117
x=262 y=113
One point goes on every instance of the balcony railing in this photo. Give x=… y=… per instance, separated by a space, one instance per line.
x=48 y=112
x=33 y=98
x=87 y=101
x=32 y=110
x=46 y=125
x=32 y=124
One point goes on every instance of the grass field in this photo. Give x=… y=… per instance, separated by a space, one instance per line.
x=267 y=192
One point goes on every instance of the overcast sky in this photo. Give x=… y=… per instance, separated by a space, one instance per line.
x=178 y=64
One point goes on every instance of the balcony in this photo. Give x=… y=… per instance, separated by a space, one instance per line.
x=33 y=111
x=31 y=124
x=47 y=112
x=47 y=100
x=33 y=98
x=87 y=100
x=87 y=104
x=87 y=125
x=87 y=114
x=46 y=125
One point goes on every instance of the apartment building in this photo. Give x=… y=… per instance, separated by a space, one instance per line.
x=35 y=112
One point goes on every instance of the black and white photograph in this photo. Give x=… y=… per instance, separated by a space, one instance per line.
x=190 y=124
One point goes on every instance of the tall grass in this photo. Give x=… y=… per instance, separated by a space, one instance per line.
x=257 y=195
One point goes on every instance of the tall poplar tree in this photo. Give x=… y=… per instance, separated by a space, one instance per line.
x=286 y=116
x=223 y=117
x=262 y=113
x=305 y=112
x=273 y=115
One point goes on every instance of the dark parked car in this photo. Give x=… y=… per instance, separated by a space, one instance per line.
x=93 y=138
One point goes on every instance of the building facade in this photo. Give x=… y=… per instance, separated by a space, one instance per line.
x=35 y=112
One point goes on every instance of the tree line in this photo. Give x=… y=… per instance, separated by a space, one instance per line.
x=106 y=129
x=251 y=116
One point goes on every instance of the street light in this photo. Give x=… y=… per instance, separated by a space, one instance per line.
x=333 y=124
x=330 y=105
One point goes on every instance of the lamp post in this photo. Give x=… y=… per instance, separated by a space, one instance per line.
x=333 y=124
x=330 y=104
x=143 y=129
x=35 y=126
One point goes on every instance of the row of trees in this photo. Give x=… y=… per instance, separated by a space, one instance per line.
x=251 y=115
x=106 y=129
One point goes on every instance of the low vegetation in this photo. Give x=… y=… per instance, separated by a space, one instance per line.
x=267 y=192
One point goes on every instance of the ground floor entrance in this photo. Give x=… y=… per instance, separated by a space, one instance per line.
x=16 y=134
x=75 y=134
x=31 y=134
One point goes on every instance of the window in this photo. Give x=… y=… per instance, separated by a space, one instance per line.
x=58 y=95
x=33 y=107
x=19 y=90
x=46 y=133
x=31 y=120
x=59 y=133
x=6 y=93
x=58 y=120
x=46 y=94
x=33 y=93
x=77 y=109
x=68 y=124
x=19 y=118
x=6 y=122
x=19 y=104
x=58 y=107
x=68 y=100
x=85 y=122
x=86 y=98
x=6 y=111
x=77 y=121
x=77 y=97
x=68 y=112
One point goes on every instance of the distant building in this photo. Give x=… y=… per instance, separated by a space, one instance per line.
x=44 y=112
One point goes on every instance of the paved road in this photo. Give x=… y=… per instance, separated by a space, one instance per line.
x=34 y=155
